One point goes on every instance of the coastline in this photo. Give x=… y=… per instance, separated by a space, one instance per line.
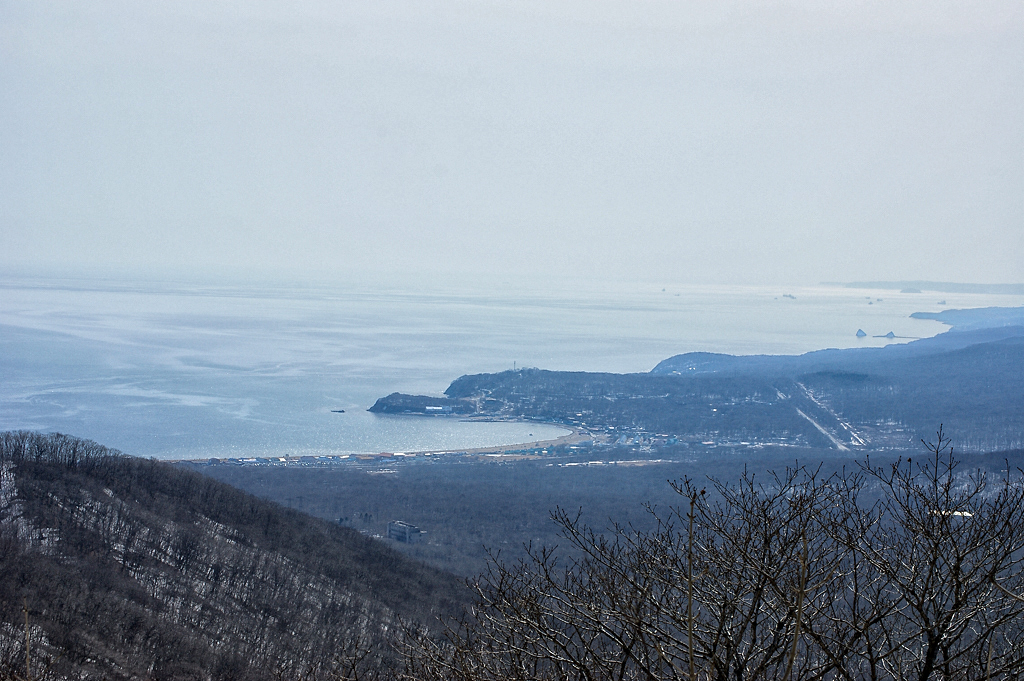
x=507 y=452
x=250 y=404
x=576 y=435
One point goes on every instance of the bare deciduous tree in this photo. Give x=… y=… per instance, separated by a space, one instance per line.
x=911 y=571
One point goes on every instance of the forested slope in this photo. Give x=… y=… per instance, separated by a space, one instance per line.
x=132 y=568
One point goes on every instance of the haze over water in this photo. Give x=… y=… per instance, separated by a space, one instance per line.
x=188 y=371
x=488 y=140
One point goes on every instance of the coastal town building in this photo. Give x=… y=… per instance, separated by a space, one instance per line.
x=404 y=532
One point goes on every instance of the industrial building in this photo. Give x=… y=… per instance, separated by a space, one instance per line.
x=404 y=532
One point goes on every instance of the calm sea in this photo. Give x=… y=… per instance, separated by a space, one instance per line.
x=174 y=371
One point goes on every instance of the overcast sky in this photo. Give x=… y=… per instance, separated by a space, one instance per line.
x=748 y=142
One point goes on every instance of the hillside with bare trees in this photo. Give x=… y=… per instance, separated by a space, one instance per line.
x=131 y=568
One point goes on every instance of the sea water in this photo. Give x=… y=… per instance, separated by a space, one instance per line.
x=194 y=371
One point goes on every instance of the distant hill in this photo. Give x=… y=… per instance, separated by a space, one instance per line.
x=859 y=399
x=693 y=363
x=133 y=568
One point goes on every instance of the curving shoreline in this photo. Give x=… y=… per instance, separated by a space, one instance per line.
x=576 y=435
x=519 y=450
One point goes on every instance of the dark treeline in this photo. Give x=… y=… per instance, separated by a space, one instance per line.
x=470 y=510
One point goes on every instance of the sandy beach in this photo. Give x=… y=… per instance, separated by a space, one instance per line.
x=507 y=452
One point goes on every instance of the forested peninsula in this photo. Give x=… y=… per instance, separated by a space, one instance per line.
x=863 y=399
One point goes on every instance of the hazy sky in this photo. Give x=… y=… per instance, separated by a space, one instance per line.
x=751 y=142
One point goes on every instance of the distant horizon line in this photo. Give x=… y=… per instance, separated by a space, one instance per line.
x=934 y=286
x=435 y=281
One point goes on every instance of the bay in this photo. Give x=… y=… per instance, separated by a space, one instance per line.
x=174 y=370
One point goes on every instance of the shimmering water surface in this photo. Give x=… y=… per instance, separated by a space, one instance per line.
x=175 y=371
